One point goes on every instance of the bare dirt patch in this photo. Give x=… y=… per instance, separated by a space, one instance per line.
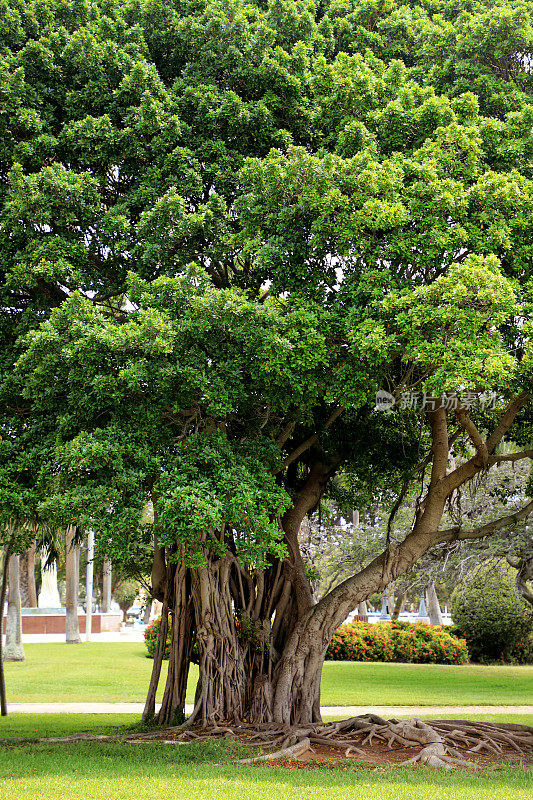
x=377 y=755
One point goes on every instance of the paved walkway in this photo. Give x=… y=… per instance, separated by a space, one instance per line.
x=327 y=711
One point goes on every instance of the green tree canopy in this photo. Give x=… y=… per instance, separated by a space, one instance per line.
x=224 y=227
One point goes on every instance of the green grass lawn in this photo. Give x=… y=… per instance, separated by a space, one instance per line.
x=100 y=771
x=358 y=683
x=108 y=672
x=34 y=726
x=95 y=672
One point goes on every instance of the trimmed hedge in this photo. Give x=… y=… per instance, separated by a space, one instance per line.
x=414 y=643
x=151 y=633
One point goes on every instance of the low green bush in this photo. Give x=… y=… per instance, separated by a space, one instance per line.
x=151 y=633
x=414 y=643
x=495 y=620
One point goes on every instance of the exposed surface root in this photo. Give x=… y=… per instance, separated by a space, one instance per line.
x=438 y=743
x=286 y=752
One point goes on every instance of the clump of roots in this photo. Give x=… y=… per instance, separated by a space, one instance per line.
x=438 y=743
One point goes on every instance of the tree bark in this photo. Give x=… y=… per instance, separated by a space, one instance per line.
x=298 y=673
x=24 y=587
x=89 y=586
x=14 y=651
x=434 y=612
x=398 y=606
x=106 y=586
x=149 y=706
x=71 y=587
x=28 y=588
x=32 y=585
x=182 y=639
x=222 y=692
x=147 y=611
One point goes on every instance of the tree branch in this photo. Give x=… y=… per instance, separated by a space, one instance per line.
x=470 y=467
x=456 y=534
x=285 y=433
x=507 y=420
x=441 y=445
x=405 y=486
x=474 y=434
x=498 y=459
x=311 y=440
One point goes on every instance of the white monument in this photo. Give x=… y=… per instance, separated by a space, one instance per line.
x=422 y=612
x=49 y=594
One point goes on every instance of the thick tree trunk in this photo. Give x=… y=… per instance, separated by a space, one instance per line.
x=398 y=605
x=14 y=651
x=24 y=588
x=147 y=611
x=239 y=645
x=71 y=587
x=223 y=682
x=106 y=586
x=434 y=612
x=297 y=677
x=89 y=586
x=270 y=607
x=28 y=587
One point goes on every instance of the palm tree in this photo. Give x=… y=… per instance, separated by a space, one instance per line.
x=14 y=651
x=72 y=579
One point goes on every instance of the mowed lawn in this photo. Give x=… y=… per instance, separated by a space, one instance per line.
x=358 y=683
x=100 y=771
x=120 y=672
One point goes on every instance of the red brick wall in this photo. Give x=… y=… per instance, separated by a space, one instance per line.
x=55 y=623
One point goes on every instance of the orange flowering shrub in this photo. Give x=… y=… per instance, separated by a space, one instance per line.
x=414 y=643
x=151 y=634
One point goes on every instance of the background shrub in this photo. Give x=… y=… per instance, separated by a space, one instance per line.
x=493 y=618
x=414 y=643
x=125 y=595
